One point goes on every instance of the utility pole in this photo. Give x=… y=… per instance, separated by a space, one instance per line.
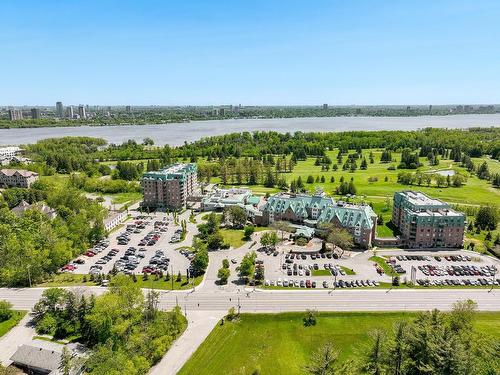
x=172 y=275
x=493 y=280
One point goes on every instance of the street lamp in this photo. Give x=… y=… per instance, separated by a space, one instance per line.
x=493 y=279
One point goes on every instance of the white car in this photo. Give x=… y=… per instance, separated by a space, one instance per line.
x=267 y=283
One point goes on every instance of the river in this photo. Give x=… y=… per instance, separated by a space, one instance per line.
x=177 y=134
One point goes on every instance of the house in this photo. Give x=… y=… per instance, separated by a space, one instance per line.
x=17 y=178
x=24 y=206
x=37 y=360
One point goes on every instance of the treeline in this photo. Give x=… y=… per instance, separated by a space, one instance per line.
x=250 y=171
x=126 y=333
x=474 y=142
x=434 y=342
x=33 y=246
x=159 y=115
x=419 y=178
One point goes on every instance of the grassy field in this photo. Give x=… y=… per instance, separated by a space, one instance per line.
x=474 y=192
x=280 y=344
x=7 y=325
x=68 y=279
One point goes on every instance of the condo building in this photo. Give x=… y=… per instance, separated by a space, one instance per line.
x=313 y=210
x=169 y=188
x=17 y=178
x=425 y=222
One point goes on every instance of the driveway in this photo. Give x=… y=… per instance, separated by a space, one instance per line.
x=17 y=336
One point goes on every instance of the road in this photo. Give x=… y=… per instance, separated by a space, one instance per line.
x=296 y=300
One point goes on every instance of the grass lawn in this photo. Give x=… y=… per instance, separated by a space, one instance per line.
x=233 y=237
x=348 y=271
x=280 y=344
x=321 y=273
x=382 y=263
x=8 y=324
x=69 y=279
x=122 y=198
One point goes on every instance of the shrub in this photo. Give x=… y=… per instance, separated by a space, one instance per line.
x=5 y=311
x=47 y=325
x=310 y=318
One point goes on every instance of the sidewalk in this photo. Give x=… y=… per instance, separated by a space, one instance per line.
x=199 y=327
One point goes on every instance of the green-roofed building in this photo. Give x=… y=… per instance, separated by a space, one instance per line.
x=170 y=187
x=312 y=210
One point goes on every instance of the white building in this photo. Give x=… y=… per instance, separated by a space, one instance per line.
x=114 y=219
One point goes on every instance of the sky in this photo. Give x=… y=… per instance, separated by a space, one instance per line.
x=253 y=52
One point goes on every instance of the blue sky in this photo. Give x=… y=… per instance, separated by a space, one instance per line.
x=250 y=51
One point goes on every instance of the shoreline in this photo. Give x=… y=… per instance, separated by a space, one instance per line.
x=177 y=133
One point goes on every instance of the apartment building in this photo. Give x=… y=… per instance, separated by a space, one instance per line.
x=169 y=188
x=312 y=210
x=425 y=222
x=17 y=178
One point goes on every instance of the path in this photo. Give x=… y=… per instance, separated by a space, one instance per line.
x=200 y=325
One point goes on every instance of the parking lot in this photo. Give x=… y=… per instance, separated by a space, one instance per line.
x=141 y=245
x=448 y=269
x=436 y=268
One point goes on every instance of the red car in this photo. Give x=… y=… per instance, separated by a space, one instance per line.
x=89 y=254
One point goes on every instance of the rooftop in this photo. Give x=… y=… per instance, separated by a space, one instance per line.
x=174 y=171
x=37 y=357
x=420 y=199
x=22 y=172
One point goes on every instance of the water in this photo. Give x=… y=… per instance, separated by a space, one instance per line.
x=177 y=134
x=446 y=173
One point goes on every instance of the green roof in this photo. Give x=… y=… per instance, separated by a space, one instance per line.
x=347 y=214
x=172 y=172
x=253 y=200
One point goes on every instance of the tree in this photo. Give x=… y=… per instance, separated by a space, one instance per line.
x=397 y=348
x=323 y=361
x=282 y=227
x=200 y=260
x=5 y=311
x=236 y=216
x=309 y=318
x=487 y=217
x=247 y=264
x=269 y=239
x=249 y=230
x=338 y=237
x=374 y=361
x=223 y=275
x=66 y=362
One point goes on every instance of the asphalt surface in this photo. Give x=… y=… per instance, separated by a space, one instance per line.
x=296 y=300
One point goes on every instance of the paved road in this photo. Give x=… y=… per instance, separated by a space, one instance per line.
x=297 y=300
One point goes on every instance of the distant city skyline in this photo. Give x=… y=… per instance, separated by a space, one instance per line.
x=131 y=53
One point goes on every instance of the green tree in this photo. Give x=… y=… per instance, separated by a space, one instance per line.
x=223 y=275
x=323 y=361
x=236 y=216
